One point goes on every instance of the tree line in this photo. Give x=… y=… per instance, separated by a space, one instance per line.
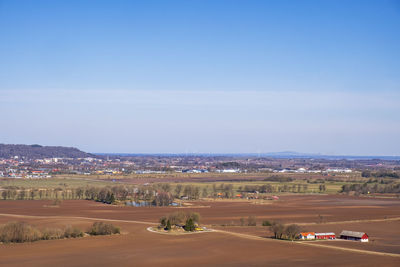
x=380 y=174
x=371 y=188
x=268 y=188
x=20 y=232
x=108 y=194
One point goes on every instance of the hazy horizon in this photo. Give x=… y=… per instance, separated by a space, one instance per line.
x=202 y=76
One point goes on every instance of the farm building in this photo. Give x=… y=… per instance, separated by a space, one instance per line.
x=325 y=236
x=307 y=235
x=357 y=236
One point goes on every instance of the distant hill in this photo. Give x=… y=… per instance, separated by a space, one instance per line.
x=38 y=151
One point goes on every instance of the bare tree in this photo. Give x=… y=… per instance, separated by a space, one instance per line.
x=292 y=231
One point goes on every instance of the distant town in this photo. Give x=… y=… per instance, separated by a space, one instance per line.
x=28 y=164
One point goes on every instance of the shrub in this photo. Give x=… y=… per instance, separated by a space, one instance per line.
x=52 y=233
x=251 y=221
x=168 y=227
x=177 y=217
x=163 y=221
x=194 y=216
x=72 y=232
x=266 y=223
x=189 y=225
x=101 y=228
x=19 y=232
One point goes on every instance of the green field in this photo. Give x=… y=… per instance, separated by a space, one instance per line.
x=53 y=182
x=331 y=187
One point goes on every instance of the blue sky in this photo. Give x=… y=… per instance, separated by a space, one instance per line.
x=202 y=76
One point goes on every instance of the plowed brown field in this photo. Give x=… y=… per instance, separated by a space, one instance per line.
x=233 y=246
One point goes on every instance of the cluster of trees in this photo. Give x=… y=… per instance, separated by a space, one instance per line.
x=380 y=174
x=119 y=192
x=163 y=199
x=371 y=188
x=106 y=195
x=228 y=165
x=13 y=193
x=102 y=228
x=19 y=232
x=281 y=231
x=189 y=191
x=224 y=190
x=187 y=220
x=251 y=221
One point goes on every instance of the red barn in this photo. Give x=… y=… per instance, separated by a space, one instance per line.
x=357 y=236
x=325 y=236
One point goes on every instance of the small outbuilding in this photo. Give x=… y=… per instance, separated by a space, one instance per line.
x=356 y=236
x=307 y=235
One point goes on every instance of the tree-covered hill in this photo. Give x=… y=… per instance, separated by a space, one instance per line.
x=38 y=151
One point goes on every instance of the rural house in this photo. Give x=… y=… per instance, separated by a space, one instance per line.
x=307 y=235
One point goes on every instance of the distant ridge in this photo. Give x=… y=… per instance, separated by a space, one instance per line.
x=38 y=151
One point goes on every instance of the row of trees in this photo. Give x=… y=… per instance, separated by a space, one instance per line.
x=370 y=188
x=189 y=191
x=160 y=194
x=251 y=221
x=163 y=199
x=268 y=188
x=103 y=194
x=19 y=232
x=380 y=174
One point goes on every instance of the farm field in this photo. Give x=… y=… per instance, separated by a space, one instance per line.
x=70 y=182
x=233 y=245
x=237 y=181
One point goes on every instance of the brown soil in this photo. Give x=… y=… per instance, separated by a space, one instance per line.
x=240 y=246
